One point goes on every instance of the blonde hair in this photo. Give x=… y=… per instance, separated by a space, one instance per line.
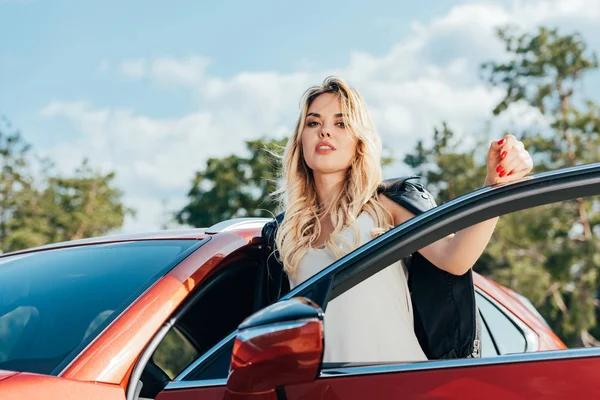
x=297 y=195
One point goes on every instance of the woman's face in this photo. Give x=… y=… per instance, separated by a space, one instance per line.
x=328 y=146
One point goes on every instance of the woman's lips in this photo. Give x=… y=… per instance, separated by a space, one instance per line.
x=324 y=147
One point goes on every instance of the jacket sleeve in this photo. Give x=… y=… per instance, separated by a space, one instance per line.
x=410 y=194
x=272 y=279
x=445 y=314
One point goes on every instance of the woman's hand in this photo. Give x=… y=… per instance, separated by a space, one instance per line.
x=507 y=161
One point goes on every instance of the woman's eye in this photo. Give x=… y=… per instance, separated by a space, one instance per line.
x=341 y=124
x=312 y=123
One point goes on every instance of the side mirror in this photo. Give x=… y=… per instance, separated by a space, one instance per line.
x=279 y=345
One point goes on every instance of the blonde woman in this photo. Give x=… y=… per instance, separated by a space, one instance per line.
x=334 y=200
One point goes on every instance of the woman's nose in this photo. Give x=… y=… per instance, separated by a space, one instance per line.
x=325 y=132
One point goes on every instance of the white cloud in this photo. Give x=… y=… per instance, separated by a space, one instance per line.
x=134 y=68
x=537 y=11
x=429 y=77
x=188 y=71
x=167 y=70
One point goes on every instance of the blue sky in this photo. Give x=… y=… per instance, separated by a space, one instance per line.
x=55 y=47
x=151 y=89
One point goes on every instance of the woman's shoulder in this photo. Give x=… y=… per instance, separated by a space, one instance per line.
x=408 y=192
x=271 y=226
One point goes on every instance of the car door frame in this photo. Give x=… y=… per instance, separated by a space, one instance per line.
x=405 y=239
x=530 y=337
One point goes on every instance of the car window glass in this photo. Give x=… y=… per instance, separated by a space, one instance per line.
x=83 y=288
x=216 y=367
x=488 y=348
x=508 y=337
x=539 y=253
x=174 y=353
x=218 y=308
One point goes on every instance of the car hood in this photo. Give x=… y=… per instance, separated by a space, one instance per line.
x=6 y=374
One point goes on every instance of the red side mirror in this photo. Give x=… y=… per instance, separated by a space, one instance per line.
x=280 y=345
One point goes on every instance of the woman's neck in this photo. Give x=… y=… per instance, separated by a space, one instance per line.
x=328 y=187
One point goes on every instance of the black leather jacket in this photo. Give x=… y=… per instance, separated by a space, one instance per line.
x=446 y=320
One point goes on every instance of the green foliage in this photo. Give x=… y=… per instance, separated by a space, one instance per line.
x=238 y=186
x=235 y=186
x=544 y=68
x=448 y=172
x=15 y=177
x=51 y=208
x=549 y=254
x=174 y=353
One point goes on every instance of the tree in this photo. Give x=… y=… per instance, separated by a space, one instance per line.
x=448 y=171
x=42 y=208
x=545 y=70
x=549 y=254
x=15 y=176
x=235 y=186
x=68 y=208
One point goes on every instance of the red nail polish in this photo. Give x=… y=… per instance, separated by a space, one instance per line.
x=499 y=168
x=510 y=173
x=500 y=142
x=503 y=155
x=502 y=174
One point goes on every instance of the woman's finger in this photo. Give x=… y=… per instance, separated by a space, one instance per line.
x=521 y=163
x=509 y=162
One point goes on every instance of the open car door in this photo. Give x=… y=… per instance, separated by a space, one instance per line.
x=275 y=354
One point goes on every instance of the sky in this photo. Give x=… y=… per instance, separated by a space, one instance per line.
x=151 y=89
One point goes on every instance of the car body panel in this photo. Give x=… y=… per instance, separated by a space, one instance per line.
x=103 y=368
x=212 y=393
x=33 y=386
x=551 y=375
x=110 y=357
x=452 y=383
x=6 y=374
x=548 y=379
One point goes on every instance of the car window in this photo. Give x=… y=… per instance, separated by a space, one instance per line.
x=511 y=252
x=174 y=353
x=72 y=294
x=216 y=367
x=506 y=335
x=488 y=348
x=218 y=308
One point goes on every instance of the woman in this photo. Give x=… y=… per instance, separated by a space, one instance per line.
x=334 y=201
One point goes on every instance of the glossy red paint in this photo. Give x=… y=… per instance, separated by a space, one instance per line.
x=213 y=393
x=277 y=356
x=557 y=379
x=32 y=386
x=110 y=357
x=6 y=374
x=103 y=369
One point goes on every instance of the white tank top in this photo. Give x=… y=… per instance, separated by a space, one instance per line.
x=373 y=321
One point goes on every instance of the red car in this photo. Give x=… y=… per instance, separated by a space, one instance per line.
x=173 y=316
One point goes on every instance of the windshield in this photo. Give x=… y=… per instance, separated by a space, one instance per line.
x=55 y=302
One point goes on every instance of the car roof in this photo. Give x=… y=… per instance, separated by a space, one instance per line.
x=234 y=225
